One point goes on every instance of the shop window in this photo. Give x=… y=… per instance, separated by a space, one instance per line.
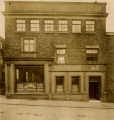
x=34 y=25
x=76 y=26
x=91 y=55
x=63 y=25
x=90 y=26
x=75 y=85
x=59 y=84
x=20 y=25
x=30 y=79
x=49 y=25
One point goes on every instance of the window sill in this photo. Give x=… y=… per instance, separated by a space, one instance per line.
x=76 y=93
x=28 y=92
x=29 y=52
x=20 y=31
x=63 y=32
x=90 y=33
x=49 y=32
x=34 y=32
x=58 y=62
x=77 y=32
x=58 y=93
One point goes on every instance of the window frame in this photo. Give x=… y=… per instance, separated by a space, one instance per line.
x=22 y=46
x=91 y=25
x=28 y=44
x=56 y=85
x=62 y=24
x=77 y=25
x=79 y=84
x=49 y=25
x=34 y=27
x=16 y=25
x=93 y=56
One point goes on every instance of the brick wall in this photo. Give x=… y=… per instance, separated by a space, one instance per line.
x=45 y=44
x=110 y=70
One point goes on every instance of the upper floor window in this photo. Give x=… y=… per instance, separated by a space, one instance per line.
x=76 y=26
x=28 y=45
x=92 y=55
x=63 y=25
x=61 y=56
x=34 y=25
x=60 y=51
x=20 y=25
x=90 y=26
x=49 y=25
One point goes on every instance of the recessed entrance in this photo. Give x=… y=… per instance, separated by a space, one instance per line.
x=94 y=88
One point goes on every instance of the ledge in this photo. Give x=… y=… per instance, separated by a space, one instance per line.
x=27 y=59
x=90 y=33
x=20 y=31
x=34 y=32
x=63 y=32
x=76 y=93
x=29 y=52
x=77 y=32
x=49 y=32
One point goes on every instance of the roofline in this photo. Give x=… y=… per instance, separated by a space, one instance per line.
x=55 y=1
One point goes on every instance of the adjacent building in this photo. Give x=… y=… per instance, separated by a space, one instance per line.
x=2 y=70
x=58 y=51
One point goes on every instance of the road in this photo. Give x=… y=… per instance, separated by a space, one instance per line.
x=33 y=112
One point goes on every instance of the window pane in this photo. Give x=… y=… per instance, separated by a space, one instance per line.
x=31 y=41
x=26 y=47
x=26 y=41
x=59 y=84
x=75 y=84
x=31 y=47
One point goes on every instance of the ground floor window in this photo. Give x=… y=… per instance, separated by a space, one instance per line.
x=59 y=84
x=30 y=78
x=75 y=84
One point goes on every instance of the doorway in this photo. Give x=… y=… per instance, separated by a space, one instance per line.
x=94 y=88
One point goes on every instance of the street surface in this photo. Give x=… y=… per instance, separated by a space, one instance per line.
x=23 y=112
x=13 y=109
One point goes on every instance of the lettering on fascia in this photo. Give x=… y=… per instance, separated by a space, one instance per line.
x=42 y=7
x=66 y=68
x=94 y=67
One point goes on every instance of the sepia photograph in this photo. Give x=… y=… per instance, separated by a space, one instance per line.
x=56 y=60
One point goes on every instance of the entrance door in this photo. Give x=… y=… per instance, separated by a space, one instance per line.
x=94 y=88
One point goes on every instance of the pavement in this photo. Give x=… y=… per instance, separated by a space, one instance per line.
x=24 y=109
x=55 y=103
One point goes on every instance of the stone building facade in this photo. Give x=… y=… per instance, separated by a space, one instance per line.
x=57 y=50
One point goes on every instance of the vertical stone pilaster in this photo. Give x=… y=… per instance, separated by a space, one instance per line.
x=46 y=78
x=7 y=79
x=12 y=78
x=84 y=82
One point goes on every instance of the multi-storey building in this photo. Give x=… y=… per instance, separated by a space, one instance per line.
x=57 y=50
x=2 y=74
